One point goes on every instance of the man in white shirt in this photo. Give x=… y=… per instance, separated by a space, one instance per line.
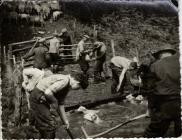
x=119 y=66
x=54 y=50
x=51 y=89
x=81 y=55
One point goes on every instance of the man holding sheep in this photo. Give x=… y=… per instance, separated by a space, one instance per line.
x=46 y=90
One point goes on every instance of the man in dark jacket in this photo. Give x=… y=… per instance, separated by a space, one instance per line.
x=66 y=41
x=100 y=58
x=39 y=53
x=164 y=96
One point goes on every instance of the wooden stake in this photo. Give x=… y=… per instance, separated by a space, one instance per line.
x=84 y=132
x=14 y=60
x=95 y=32
x=113 y=49
x=4 y=51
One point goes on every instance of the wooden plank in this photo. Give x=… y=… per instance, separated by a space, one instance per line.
x=23 y=42
x=23 y=49
x=90 y=104
x=4 y=51
x=67 y=55
x=67 y=49
x=28 y=41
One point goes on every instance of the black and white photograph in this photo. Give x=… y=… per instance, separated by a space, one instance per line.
x=78 y=69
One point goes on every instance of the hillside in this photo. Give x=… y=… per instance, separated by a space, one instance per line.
x=130 y=29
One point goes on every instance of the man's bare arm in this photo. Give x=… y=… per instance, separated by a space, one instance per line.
x=121 y=77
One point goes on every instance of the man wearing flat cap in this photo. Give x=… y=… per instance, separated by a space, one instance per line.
x=81 y=55
x=162 y=79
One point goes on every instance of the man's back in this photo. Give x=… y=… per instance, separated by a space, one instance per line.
x=121 y=62
x=167 y=72
x=66 y=39
x=40 y=57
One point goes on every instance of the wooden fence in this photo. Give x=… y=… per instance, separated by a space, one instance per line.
x=19 y=49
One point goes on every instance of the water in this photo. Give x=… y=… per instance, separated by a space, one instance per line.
x=111 y=115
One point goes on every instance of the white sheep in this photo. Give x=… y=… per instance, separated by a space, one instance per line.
x=56 y=15
x=25 y=17
x=90 y=115
x=31 y=77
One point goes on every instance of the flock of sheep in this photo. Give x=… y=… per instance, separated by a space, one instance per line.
x=33 y=12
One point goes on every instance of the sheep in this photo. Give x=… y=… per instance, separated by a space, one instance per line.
x=21 y=7
x=37 y=20
x=56 y=15
x=36 y=8
x=31 y=77
x=54 y=6
x=24 y=17
x=45 y=11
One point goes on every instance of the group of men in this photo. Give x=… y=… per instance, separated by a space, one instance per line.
x=159 y=81
x=97 y=53
x=158 y=77
x=47 y=55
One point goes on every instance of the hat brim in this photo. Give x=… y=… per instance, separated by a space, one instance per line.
x=156 y=54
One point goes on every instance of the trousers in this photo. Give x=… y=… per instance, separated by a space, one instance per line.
x=164 y=109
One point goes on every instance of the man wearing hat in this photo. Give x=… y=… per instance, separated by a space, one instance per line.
x=100 y=58
x=119 y=66
x=162 y=80
x=39 y=54
x=81 y=56
x=46 y=90
x=162 y=53
x=66 y=41
x=54 y=50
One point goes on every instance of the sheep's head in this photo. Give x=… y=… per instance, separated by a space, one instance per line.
x=31 y=77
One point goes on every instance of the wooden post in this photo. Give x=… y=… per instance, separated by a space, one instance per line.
x=137 y=56
x=84 y=132
x=74 y=28
x=9 y=64
x=112 y=47
x=94 y=32
x=4 y=52
x=14 y=60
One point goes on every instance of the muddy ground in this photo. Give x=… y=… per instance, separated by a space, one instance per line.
x=130 y=29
